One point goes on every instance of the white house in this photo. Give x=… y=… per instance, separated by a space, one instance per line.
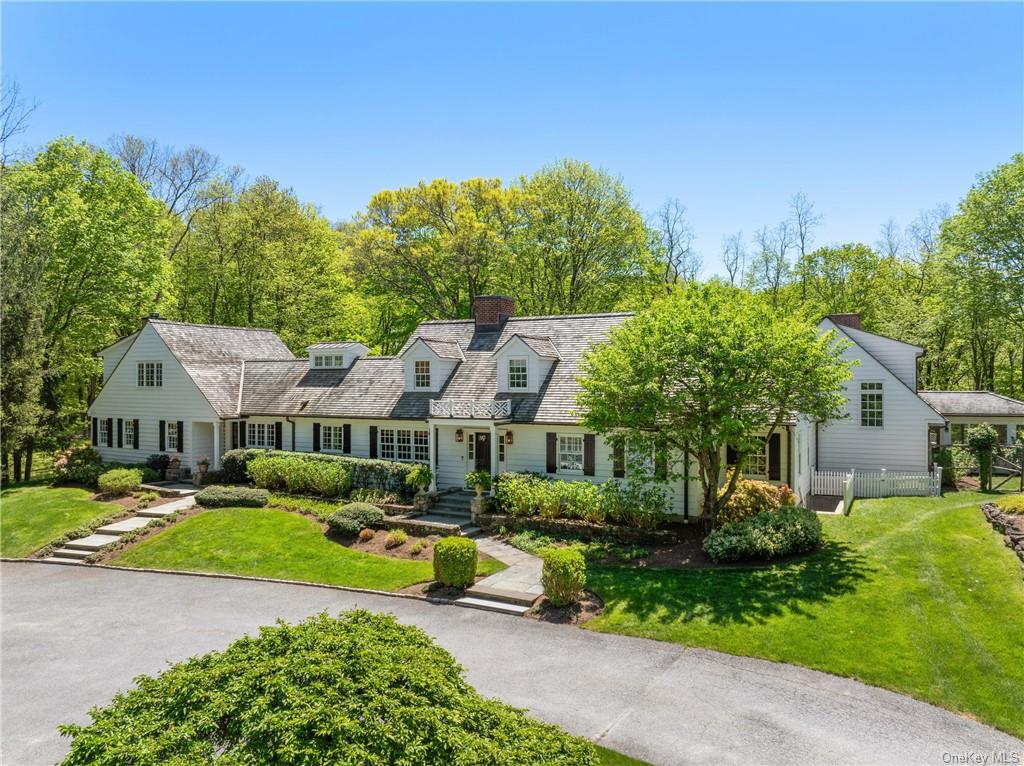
x=496 y=392
x=962 y=409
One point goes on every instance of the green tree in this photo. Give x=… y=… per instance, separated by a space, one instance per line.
x=703 y=368
x=981 y=441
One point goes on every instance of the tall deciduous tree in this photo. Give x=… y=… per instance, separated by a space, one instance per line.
x=706 y=367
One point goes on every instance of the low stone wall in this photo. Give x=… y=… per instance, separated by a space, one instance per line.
x=490 y=522
x=1010 y=526
x=418 y=528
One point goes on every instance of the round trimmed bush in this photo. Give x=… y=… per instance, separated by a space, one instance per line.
x=766 y=536
x=216 y=496
x=455 y=561
x=367 y=515
x=357 y=688
x=120 y=481
x=344 y=525
x=564 y=575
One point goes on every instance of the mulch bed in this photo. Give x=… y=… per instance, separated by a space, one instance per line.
x=434 y=589
x=587 y=608
x=376 y=546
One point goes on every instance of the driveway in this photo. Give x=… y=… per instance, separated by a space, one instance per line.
x=73 y=636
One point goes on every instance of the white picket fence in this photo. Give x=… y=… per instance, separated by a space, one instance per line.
x=883 y=483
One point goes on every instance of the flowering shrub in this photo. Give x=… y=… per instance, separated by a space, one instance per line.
x=752 y=497
x=632 y=504
x=768 y=535
x=79 y=463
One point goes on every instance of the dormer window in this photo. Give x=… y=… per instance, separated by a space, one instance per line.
x=421 y=373
x=328 y=360
x=518 y=377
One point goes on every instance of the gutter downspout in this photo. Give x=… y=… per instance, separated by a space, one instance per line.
x=288 y=419
x=789 y=456
x=686 y=484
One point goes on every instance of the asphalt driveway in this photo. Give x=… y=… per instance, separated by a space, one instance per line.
x=73 y=636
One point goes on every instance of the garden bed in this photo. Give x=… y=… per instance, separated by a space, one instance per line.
x=1010 y=525
x=582 y=530
x=585 y=609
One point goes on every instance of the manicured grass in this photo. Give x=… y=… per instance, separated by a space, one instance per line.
x=608 y=757
x=31 y=515
x=917 y=595
x=319 y=508
x=263 y=542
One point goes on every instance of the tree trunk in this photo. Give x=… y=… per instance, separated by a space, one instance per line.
x=17 y=465
x=5 y=467
x=30 y=444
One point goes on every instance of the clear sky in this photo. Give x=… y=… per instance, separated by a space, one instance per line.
x=873 y=110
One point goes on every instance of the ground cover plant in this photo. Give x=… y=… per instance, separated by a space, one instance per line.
x=33 y=515
x=947 y=590
x=357 y=688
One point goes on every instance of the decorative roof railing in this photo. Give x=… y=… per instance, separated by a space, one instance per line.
x=489 y=409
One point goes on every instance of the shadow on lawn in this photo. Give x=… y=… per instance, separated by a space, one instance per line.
x=725 y=596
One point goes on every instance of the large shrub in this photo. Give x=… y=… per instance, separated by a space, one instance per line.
x=386 y=475
x=120 y=481
x=564 y=575
x=982 y=440
x=223 y=497
x=766 y=536
x=79 y=464
x=348 y=520
x=358 y=688
x=752 y=497
x=633 y=504
x=455 y=561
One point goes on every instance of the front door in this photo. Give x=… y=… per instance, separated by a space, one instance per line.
x=482 y=451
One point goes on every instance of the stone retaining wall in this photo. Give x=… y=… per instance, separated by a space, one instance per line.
x=580 y=529
x=1010 y=526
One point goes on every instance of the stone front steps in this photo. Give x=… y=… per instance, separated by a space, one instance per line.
x=490 y=605
x=75 y=551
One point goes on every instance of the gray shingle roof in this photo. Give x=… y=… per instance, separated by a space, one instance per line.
x=443 y=347
x=341 y=344
x=541 y=345
x=373 y=387
x=212 y=356
x=978 y=403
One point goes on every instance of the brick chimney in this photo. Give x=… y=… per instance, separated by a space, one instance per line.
x=846 y=320
x=491 y=311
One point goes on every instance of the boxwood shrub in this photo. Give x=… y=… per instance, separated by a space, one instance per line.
x=564 y=575
x=766 y=536
x=455 y=561
x=366 y=473
x=216 y=496
x=350 y=519
x=357 y=688
x=120 y=481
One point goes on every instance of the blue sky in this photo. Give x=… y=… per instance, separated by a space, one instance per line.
x=873 y=110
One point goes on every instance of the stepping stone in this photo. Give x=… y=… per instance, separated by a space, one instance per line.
x=92 y=542
x=68 y=553
x=125 y=525
x=504 y=595
x=472 y=602
x=56 y=560
x=157 y=513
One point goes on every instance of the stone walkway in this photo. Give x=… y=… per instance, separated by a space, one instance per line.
x=512 y=590
x=75 y=551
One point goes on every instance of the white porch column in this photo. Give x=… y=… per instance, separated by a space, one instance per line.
x=432 y=454
x=216 y=445
x=494 y=452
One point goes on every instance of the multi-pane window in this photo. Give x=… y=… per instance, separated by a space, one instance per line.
x=871 y=405
x=757 y=461
x=129 y=432
x=261 y=435
x=501 y=448
x=517 y=376
x=387 y=443
x=151 y=374
x=421 y=446
x=471 y=447
x=104 y=434
x=421 y=373
x=570 y=453
x=328 y=360
x=403 y=440
x=332 y=438
x=172 y=436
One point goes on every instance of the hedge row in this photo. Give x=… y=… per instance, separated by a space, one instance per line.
x=366 y=473
x=527 y=494
x=300 y=476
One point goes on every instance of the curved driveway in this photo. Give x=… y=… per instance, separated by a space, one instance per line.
x=73 y=636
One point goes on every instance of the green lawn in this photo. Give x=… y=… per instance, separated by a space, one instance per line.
x=607 y=757
x=263 y=542
x=31 y=515
x=917 y=595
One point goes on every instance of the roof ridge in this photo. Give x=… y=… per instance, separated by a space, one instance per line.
x=538 y=316
x=206 y=324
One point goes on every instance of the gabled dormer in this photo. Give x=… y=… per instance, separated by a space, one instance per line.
x=523 y=362
x=330 y=356
x=429 y=362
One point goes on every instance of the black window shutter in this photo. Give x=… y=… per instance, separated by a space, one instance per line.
x=618 y=461
x=730 y=455
x=110 y=432
x=552 y=442
x=346 y=438
x=234 y=434
x=120 y=432
x=588 y=454
x=316 y=437
x=95 y=432
x=163 y=435
x=135 y=433
x=181 y=436
x=241 y=433
x=775 y=458
x=373 y=441
x=278 y=431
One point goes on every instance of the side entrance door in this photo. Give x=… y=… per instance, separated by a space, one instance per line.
x=482 y=451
